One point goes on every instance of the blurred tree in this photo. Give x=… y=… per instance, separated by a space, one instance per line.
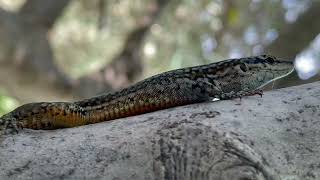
x=25 y=35
x=101 y=45
x=25 y=44
x=127 y=66
x=293 y=39
x=32 y=53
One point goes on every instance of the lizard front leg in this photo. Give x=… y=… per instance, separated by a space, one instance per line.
x=9 y=125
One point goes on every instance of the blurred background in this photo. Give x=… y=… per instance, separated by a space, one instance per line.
x=64 y=50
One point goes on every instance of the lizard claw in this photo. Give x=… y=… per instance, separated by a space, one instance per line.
x=252 y=93
x=256 y=92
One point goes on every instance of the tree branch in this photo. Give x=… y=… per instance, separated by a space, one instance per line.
x=42 y=12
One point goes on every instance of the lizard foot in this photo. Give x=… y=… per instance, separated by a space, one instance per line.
x=233 y=95
x=9 y=125
x=252 y=93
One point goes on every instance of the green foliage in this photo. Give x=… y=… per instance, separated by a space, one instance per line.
x=233 y=16
x=176 y=40
x=7 y=104
x=80 y=46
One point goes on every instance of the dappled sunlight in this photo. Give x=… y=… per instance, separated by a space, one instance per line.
x=307 y=63
x=11 y=5
x=306 y=66
x=149 y=49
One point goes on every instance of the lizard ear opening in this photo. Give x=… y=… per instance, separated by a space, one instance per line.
x=243 y=67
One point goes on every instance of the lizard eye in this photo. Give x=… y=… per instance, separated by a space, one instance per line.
x=243 y=67
x=270 y=60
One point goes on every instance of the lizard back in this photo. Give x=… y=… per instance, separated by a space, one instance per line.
x=224 y=80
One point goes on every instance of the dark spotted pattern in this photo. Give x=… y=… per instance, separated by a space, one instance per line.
x=224 y=80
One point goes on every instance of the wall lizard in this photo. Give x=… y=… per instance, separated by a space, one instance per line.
x=227 y=79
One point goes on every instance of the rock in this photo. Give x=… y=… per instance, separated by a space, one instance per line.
x=273 y=137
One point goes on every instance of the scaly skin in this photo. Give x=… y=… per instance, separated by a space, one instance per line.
x=223 y=80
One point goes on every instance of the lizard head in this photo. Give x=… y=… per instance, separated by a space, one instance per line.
x=257 y=71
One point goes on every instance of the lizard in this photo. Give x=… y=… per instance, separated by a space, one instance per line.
x=228 y=79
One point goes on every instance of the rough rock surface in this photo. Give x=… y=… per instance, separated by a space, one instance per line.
x=273 y=137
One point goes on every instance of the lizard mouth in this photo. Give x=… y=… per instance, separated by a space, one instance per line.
x=279 y=77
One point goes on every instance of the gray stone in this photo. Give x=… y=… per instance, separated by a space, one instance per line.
x=273 y=137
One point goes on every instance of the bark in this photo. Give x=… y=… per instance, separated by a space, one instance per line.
x=293 y=39
x=273 y=137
